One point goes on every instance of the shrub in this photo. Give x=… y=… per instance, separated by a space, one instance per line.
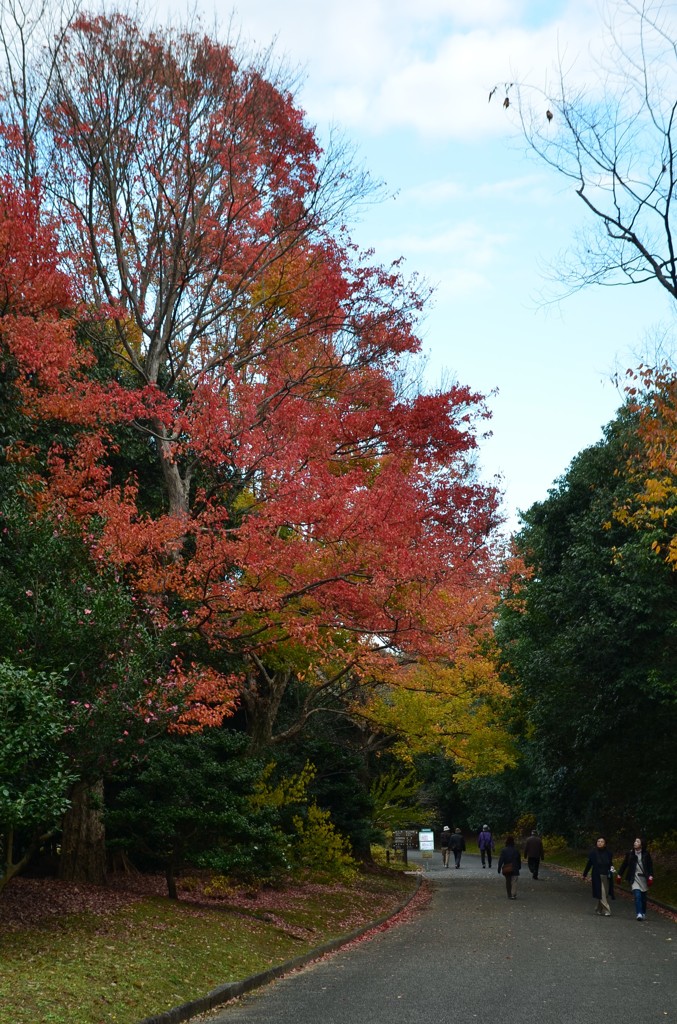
x=319 y=846
x=554 y=844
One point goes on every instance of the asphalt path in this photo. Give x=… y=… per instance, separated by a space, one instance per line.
x=474 y=955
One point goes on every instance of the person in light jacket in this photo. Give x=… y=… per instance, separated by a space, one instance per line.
x=509 y=858
x=639 y=865
x=601 y=864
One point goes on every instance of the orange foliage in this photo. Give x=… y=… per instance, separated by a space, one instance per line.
x=314 y=518
x=653 y=467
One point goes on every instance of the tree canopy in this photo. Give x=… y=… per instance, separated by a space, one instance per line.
x=210 y=415
x=588 y=641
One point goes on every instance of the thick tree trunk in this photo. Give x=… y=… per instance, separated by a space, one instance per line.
x=176 y=487
x=83 y=843
x=261 y=698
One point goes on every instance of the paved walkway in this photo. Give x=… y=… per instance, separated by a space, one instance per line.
x=473 y=955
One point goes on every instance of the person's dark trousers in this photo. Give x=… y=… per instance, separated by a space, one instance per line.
x=487 y=854
x=533 y=863
x=457 y=857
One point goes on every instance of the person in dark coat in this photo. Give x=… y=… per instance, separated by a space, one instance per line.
x=486 y=845
x=458 y=846
x=600 y=863
x=533 y=851
x=445 y=845
x=639 y=865
x=510 y=860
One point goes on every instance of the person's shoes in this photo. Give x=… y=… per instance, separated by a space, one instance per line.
x=513 y=897
x=639 y=917
x=457 y=866
x=484 y=865
x=607 y=913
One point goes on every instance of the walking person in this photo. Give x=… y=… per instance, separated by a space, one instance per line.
x=533 y=852
x=485 y=842
x=445 y=845
x=600 y=863
x=458 y=846
x=510 y=865
x=639 y=866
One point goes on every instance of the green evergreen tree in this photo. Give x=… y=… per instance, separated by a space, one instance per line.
x=590 y=647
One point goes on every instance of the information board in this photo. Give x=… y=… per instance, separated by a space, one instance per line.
x=426 y=840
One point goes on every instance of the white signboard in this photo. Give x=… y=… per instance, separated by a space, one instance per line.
x=426 y=839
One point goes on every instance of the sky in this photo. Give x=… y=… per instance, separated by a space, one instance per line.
x=468 y=208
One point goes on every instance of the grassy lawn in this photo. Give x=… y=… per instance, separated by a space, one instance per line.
x=121 y=966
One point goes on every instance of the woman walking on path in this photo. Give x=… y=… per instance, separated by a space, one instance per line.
x=639 y=866
x=509 y=865
x=600 y=863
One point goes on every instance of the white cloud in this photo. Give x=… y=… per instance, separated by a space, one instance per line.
x=532 y=189
x=472 y=240
x=459 y=282
x=457 y=261
x=446 y=95
x=375 y=65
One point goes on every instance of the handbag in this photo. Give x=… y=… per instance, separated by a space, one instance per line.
x=507 y=868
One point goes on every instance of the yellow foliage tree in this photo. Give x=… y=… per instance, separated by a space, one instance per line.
x=450 y=709
x=652 y=464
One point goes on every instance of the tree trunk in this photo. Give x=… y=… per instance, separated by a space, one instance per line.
x=170 y=875
x=83 y=844
x=261 y=698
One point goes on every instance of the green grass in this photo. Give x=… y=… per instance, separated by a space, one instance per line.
x=120 y=967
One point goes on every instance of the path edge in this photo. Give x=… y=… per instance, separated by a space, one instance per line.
x=232 y=989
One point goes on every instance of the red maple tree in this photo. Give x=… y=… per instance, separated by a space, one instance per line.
x=315 y=522
x=307 y=504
